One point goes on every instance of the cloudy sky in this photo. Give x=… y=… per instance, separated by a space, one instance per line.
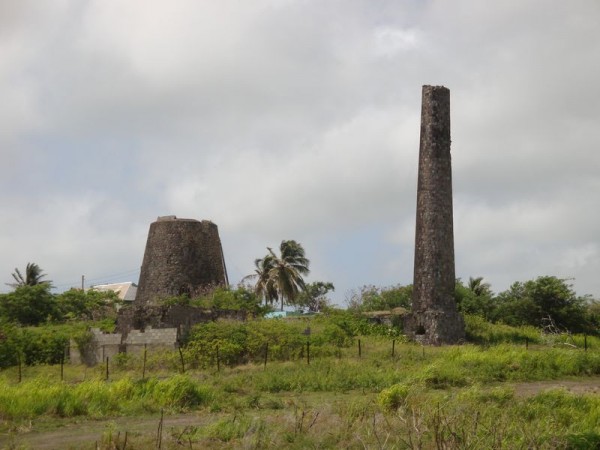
x=298 y=119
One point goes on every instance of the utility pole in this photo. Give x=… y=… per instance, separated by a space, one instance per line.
x=82 y=281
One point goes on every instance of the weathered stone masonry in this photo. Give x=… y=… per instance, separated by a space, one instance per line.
x=151 y=327
x=434 y=318
x=182 y=256
x=108 y=345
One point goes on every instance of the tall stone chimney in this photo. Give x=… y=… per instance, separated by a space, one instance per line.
x=182 y=256
x=434 y=318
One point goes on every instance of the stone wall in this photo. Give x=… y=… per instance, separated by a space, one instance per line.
x=151 y=327
x=175 y=316
x=182 y=256
x=108 y=345
x=151 y=338
x=434 y=318
x=102 y=345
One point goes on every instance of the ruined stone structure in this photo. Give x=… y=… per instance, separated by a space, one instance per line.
x=182 y=256
x=108 y=345
x=140 y=317
x=163 y=338
x=149 y=327
x=101 y=346
x=434 y=318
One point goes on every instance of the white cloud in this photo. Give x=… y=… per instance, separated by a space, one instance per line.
x=390 y=41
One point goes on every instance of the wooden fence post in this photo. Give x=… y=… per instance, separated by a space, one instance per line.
x=218 y=362
x=266 y=353
x=182 y=362
x=159 y=432
x=393 y=347
x=107 y=368
x=359 y=349
x=144 y=364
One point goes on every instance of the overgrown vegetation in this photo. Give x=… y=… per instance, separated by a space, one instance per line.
x=444 y=397
x=536 y=303
x=240 y=298
x=533 y=302
x=331 y=380
x=46 y=344
x=96 y=398
x=36 y=305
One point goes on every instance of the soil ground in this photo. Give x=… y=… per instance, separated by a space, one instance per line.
x=586 y=386
x=86 y=433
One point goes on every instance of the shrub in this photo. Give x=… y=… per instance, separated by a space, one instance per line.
x=34 y=345
x=479 y=331
x=393 y=397
x=97 y=398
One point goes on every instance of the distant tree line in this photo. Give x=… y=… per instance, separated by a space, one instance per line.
x=546 y=299
x=32 y=302
x=279 y=280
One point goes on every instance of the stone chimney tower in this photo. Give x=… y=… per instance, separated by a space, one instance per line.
x=434 y=318
x=182 y=256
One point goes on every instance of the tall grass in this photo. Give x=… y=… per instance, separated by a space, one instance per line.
x=99 y=399
x=437 y=368
x=417 y=397
x=492 y=418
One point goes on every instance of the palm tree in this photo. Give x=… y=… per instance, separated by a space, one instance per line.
x=264 y=287
x=33 y=276
x=478 y=287
x=280 y=277
x=287 y=270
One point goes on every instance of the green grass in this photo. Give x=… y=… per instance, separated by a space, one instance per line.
x=422 y=397
x=96 y=398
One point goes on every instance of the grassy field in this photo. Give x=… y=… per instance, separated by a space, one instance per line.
x=492 y=395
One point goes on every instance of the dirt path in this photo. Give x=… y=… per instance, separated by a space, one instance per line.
x=85 y=434
x=587 y=386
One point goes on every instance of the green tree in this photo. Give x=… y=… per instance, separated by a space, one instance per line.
x=29 y=305
x=287 y=271
x=33 y=276
x=593 y=315
x=76 y=304
x=532 y=302
x=280 y=277
x=314 y=296
x=265 y=286
x=478 y=287
x=476 y=298
x=373 y=298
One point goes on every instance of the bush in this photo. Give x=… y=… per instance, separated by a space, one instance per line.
x=393 y=397
x=35 y=345
x=239 y=299
x=479 y=331
x=98 y=399
x=372 y=298
x=28 y=305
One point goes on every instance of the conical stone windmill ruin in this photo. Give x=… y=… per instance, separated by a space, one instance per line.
x=434 y=318
x=182 y=257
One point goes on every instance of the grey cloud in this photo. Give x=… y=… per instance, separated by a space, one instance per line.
x=300 y=120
